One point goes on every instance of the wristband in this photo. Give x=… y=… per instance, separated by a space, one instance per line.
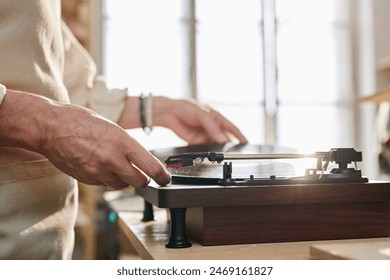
x=146 y=112
x=3 y=89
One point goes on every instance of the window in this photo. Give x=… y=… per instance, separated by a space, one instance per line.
x=315 y=81
x=281 y=70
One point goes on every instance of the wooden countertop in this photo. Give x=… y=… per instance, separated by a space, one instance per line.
x=149 y=240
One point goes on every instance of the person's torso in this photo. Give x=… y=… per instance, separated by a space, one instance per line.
x=38 y=203
x=31 y=56
x=38 y=209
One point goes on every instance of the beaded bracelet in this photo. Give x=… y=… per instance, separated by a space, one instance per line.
x=3 y=89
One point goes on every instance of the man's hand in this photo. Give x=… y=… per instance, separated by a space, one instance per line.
x=78 y=141
x=191 y=121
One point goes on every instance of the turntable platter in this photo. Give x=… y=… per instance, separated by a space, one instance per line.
x=210 y=173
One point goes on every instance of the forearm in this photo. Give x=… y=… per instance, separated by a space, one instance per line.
x=130 y=117
x=21 y=120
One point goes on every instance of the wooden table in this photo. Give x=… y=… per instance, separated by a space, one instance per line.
x=149 y=238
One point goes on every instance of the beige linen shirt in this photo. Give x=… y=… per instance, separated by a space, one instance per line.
x=38 y=54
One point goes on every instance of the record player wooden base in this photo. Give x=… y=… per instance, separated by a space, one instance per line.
x=307 y=222
x=216 y=215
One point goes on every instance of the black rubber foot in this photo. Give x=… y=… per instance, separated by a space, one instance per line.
x=178 y=236
x=148 y=212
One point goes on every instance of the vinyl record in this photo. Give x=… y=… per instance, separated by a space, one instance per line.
x=210 y=173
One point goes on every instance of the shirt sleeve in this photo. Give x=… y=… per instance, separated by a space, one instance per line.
x=2 y=92
x=85 y=88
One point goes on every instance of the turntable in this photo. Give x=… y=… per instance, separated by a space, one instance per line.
x=240 y=194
